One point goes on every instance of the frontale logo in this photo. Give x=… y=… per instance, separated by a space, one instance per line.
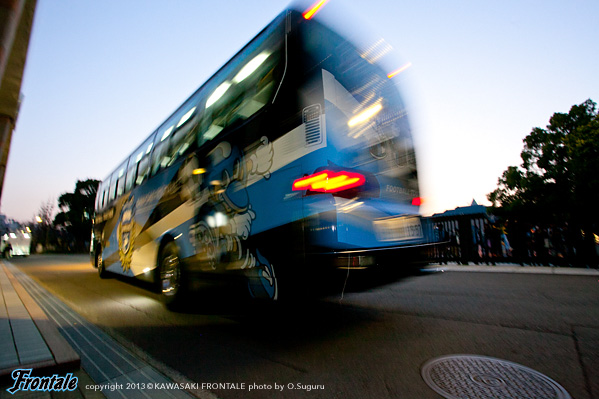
x=126 y=233
x=24 y=381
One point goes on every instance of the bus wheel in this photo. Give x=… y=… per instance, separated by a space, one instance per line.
x=170 y=276
x=100 y=264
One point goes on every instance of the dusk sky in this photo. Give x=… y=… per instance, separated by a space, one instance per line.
x=100 y=76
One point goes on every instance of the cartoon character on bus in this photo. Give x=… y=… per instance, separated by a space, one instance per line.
x=224 y=213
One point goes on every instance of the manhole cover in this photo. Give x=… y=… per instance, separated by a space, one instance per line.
x=474 y=377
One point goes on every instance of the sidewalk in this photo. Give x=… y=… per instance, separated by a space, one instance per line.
x=28 y=339
x=511 y=268
x=28 y=312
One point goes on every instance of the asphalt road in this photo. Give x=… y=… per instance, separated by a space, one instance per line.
x=362 y=345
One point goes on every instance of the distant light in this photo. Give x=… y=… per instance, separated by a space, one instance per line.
x=309 y=13
x=13 y=235
x=400 y=70
x=28 y=229
x=38 y=219
x=186 y=117
x=365 y=115
x=26 y=235
x=218 y=93
x=147 y=269
x=417 y=201
x=149 y=148
x=198 y=171
x=250 y=67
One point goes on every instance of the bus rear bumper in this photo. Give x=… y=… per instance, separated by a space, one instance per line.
x=405 y=257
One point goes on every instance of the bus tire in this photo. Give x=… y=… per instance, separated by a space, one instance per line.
x=100 y=264
x=171 y=273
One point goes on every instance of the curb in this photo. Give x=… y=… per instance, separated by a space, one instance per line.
x=64 y=357
x=506 y=268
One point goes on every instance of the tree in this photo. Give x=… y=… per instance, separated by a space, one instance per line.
x=583 y=155
x=77 y=209
x=557 y=182
x=42 y=229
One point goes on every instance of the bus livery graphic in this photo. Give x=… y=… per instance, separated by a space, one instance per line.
x=126 y=232
x=224 y=213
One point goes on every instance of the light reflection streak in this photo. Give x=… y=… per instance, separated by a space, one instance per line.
x=309 y=13
x=400 y=70
x=365 y=115
x=375 y=52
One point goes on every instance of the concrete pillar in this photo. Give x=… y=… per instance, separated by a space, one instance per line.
x=10 y=15
x=16 y=20
x=6 y=128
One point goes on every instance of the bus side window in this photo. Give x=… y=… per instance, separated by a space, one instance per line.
x=100 y=196
x=131 y=174
x=112 y=192
x=142 y=160
x=249 y=87
x=143 y=170
x=182 y=140
x=120 y=185
x=105 y=193
x=100 y=199
x=158 y=157
x=161 y=143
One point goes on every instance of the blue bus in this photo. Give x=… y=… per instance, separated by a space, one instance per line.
x=294 y=159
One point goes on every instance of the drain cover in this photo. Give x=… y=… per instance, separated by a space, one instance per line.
x=480 y=377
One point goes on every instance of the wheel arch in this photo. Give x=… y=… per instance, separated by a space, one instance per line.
x=97 y=250
x=164 y=240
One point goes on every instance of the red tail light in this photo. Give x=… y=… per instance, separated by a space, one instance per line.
x=329 y=182
x=417 y=201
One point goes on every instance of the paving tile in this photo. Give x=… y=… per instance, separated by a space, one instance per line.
x=8 y=351
x=21 y=341
x=102 y=358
